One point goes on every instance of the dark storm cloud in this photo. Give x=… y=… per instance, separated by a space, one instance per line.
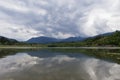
x=23 y=19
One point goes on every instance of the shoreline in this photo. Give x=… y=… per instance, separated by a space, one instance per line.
x=22 y=47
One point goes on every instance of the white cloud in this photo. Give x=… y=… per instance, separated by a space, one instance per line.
x=58 y=18
x=62 y=35
x=16 y=5
x=17 y=31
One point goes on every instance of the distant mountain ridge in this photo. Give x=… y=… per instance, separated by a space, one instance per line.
x=111 y=39
x=42 y=40
x=45 y=40
x=73 y=39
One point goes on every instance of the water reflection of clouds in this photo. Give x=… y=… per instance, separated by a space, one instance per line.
x=16 y=62
x=61 y=67
x=102 y=70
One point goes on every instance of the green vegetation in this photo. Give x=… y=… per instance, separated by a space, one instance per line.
x=111 y=40
x=6 y=41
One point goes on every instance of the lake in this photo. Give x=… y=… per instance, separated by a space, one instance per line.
x=59 y=64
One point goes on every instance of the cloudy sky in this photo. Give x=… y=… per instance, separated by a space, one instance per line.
x=23 y=19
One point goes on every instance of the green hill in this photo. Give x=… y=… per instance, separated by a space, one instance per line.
x=7 y=41
x=110 y=40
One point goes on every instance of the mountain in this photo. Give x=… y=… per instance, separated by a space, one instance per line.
x=107 y=39
x=7 y=41
x=105 y=34
x=73 y=39
x=43 y=40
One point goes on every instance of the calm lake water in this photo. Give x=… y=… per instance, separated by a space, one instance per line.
x=57 y=65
